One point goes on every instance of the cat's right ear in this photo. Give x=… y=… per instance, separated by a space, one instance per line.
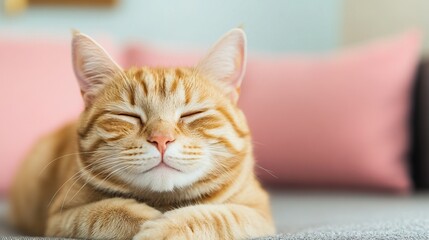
x=92 y=65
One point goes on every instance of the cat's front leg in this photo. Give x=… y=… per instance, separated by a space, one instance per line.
x=209 y=222
x=114 y=218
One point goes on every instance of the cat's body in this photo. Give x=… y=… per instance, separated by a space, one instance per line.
x=158 y=153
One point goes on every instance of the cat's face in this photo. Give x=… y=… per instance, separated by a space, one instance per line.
x=161 y=129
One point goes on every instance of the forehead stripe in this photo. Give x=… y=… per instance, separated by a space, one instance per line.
x=131 y=95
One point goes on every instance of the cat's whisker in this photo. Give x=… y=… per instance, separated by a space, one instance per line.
x=140 y=160
x=68 y=155
x=75 y=175
x=113 y=172
x=111 y=164
x=87 y=181
x=267 y=170
x=258 y=143
x=220 y=152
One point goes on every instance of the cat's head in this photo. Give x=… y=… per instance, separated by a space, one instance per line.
x=161 y=129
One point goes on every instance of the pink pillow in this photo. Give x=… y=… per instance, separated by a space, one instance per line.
x=38 y=93
x=138 y=55
x=338 y=120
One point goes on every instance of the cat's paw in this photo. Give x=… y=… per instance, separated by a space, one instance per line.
x=163 y=228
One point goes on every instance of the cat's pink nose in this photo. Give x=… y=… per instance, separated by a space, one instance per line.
x=161 y=141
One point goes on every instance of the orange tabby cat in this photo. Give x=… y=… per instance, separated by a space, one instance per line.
x=158 y=153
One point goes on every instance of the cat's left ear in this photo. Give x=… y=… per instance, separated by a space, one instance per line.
x=225 y=63
x=92 y=65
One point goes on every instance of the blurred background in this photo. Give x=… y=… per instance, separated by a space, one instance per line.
x=297 y=80
x=272 y=26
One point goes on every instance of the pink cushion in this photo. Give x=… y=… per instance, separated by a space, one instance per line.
x=38 y=93
x=338 y=120
x=137 y=55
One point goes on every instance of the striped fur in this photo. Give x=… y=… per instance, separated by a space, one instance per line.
x=99 y=176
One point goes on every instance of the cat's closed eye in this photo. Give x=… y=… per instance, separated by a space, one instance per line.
x=192 y=113
x=131 y=115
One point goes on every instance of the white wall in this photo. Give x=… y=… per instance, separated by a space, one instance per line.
x=369 y=19
x=272 y=25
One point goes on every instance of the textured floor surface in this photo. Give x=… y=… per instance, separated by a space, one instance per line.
x=335 y=216
x=397 y=229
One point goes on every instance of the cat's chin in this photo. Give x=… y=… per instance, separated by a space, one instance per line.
x=165 y=179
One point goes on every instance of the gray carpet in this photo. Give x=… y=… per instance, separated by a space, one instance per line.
x=333 y=216
x=399 y=229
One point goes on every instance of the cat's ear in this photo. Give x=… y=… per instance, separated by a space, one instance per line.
x=225 y=63
x=92 y=65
